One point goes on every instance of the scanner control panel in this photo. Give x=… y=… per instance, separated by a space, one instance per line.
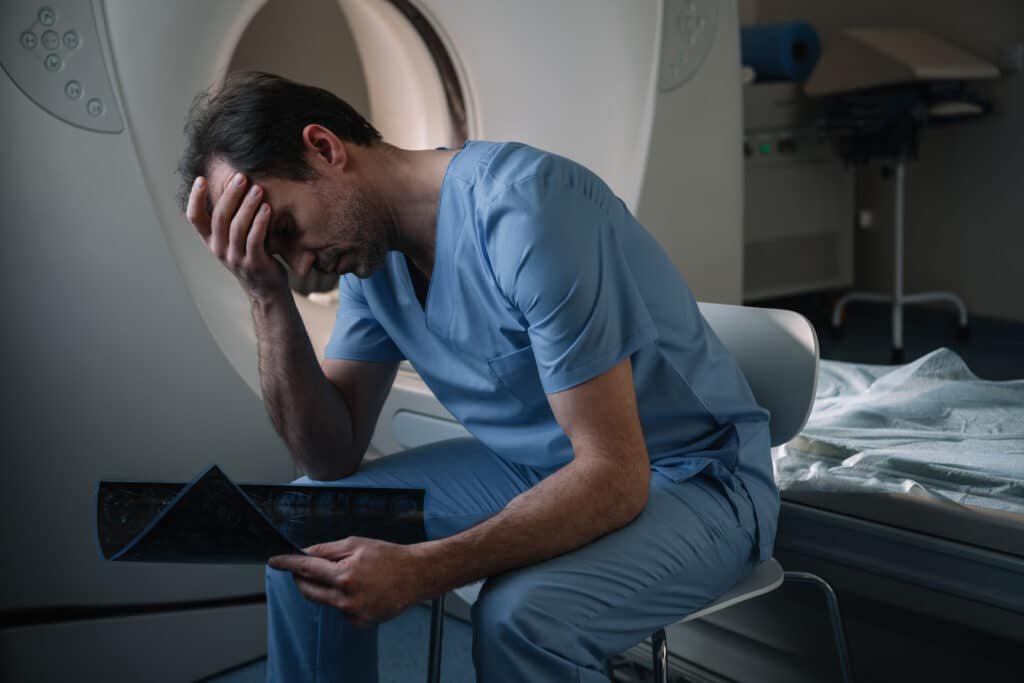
x=687 y=32
x=52 y=53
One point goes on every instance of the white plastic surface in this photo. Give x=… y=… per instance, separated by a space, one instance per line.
x=52 y=51
x=409 y=394
x=111 y=373
x=691 y=195
x=515 y=62
x=777 y=351
x=765 y=578
x=689 y=30
x=407 y=99
x=155 y=647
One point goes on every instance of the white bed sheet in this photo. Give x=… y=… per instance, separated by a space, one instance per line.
x=929 y=429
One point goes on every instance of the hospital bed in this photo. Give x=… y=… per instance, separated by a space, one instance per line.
x=903 y=491
x=931 y=452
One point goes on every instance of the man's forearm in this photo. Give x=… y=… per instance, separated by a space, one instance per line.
x=572 y=507
x=306 y=409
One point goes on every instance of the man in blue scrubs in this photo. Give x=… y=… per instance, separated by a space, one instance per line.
x=619 y=477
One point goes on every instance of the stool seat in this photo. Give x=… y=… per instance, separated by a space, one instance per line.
x=765 y=578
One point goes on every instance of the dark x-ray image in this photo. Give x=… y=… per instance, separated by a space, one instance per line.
x=315 y=514
x=214 y=520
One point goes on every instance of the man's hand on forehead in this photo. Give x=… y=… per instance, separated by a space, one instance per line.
x=219 y=188
x=234 y=227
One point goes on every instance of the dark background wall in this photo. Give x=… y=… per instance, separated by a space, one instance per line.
x=965 y=194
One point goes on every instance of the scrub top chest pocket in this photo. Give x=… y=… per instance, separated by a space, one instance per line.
x=517 y=372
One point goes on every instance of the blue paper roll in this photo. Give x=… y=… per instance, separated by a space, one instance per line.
x=780 y=52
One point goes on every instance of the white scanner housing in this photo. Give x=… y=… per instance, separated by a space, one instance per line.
x=129 y=350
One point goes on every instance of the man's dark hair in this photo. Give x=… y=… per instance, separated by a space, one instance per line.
x=254 y=122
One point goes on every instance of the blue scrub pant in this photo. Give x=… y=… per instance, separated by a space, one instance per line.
x=554 y=621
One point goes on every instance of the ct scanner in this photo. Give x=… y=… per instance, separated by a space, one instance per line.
x=128 y=349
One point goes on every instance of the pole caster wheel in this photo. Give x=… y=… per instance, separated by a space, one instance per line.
x=897 y=355
x=963 y=332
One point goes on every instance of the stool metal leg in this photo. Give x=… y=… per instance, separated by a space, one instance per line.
x=659 y=650
x=833 y=611
x=436 y=633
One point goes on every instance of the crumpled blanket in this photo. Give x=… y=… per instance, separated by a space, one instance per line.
x=928 y=428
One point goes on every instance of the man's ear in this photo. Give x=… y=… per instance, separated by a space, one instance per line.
x=323 y=146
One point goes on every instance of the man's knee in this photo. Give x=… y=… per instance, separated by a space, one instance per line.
x=513 y=610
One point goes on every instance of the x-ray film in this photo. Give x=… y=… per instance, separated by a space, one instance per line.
x=213 y=520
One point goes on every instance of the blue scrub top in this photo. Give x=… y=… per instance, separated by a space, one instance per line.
x=543 y=280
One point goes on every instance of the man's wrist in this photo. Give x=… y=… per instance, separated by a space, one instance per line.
x=265 y=299
x=431 y=568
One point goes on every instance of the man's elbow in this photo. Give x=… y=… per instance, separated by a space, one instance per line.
x=635 y=488
x=327 y=466
x=329 y=473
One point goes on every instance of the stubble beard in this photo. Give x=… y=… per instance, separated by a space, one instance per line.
x=353 y=219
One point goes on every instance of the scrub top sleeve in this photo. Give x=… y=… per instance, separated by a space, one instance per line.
x=357 y=334
x=556 y=256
